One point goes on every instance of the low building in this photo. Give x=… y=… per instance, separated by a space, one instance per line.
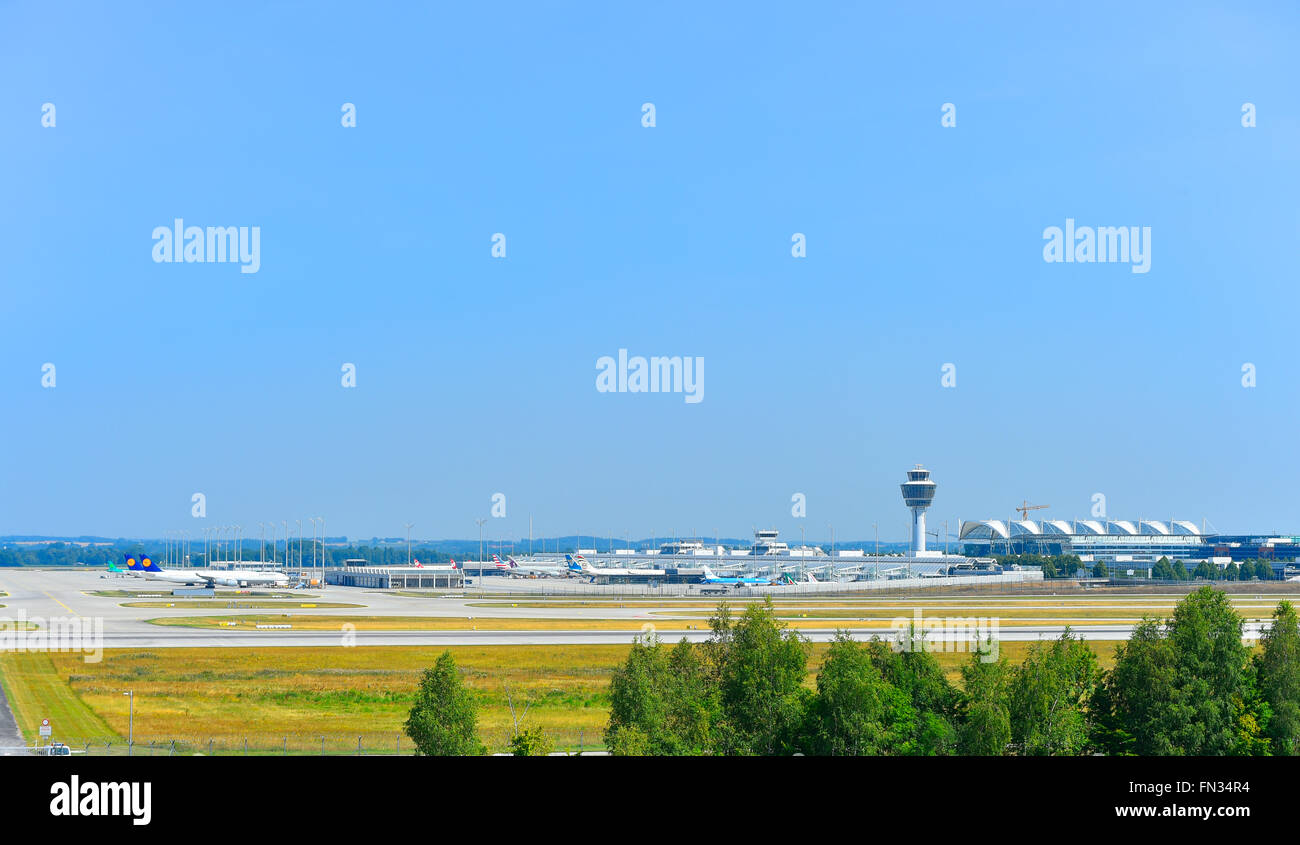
x=398 y=577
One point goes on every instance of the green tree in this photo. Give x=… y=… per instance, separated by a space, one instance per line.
x=856 y=711
x=1278 y=675
x=1206 y=571
x=1206 y=636
x=1049 y=695
x=759 y=667
x=661 y=703
x=531 y=742
x=443 y=721
x=986 y=724
x=1184 y=688
x=1099 y=570
x=910 y=667
x=1133 y=707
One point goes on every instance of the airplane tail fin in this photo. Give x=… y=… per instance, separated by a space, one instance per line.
x=132 y=563
x=147 y=565
x=708 y=573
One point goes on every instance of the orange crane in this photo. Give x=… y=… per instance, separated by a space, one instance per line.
x=1025 y=508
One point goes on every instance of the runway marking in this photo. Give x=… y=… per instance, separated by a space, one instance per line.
x=61 y=604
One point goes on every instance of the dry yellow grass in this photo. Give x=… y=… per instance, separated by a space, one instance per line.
x=269 y=694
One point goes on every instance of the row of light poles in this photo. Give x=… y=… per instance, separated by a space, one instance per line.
x=225 y=541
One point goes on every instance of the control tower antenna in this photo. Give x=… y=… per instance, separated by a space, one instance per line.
x=918 y=493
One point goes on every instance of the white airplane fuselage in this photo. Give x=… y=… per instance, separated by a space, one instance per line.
x=246 y=578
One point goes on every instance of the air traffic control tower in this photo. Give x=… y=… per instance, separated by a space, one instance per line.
x=918 y=493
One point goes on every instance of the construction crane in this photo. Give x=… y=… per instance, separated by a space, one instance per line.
x=1025 y=508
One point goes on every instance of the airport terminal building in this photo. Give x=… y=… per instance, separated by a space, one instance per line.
x=1121 y=541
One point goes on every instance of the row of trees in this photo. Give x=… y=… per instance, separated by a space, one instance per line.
x=1207 y=571
x=1069 y=566
x=1053 y=566
x=1185 y=686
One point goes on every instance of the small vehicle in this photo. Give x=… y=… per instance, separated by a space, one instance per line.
x=57 y=749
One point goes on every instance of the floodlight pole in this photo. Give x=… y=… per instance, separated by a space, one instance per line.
x=480 y=522
x=130 y=731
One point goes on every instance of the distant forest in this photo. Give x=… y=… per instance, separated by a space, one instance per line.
x=378 y=551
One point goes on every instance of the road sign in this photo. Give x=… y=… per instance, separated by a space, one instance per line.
x=45 y=727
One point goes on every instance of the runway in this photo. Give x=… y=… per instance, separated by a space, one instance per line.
x=173 y=638
x=43 y=595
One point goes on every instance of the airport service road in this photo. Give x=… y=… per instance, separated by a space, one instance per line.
x=159 y=637
x=11 y=741
x=45 y=594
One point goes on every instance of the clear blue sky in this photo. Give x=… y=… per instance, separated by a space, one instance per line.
x=477 y=375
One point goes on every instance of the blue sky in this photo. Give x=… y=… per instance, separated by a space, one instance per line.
x=476 y=375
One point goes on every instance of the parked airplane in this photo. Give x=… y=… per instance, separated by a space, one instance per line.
x=517 y=568
x=434 y=566
x=133 y=567
x=578 y=565
x=146 y=568
x=245 y=578
x=739 y=580
x=215 y=577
